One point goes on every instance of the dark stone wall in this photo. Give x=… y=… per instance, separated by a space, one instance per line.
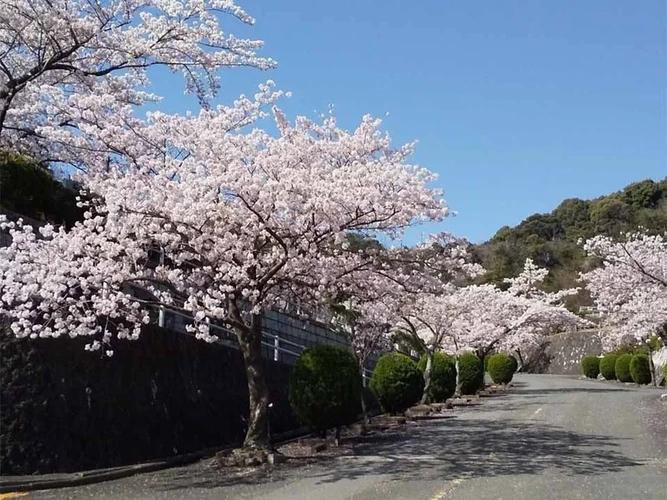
x=64 y=409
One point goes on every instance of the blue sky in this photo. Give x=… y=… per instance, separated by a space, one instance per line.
x=516 y=104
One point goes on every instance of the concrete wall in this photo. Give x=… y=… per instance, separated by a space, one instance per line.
x=562 y=354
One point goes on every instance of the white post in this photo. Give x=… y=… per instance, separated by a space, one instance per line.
x=160 y=317
x=276 y=345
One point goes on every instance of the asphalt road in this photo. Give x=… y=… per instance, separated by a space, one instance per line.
x=550 y=437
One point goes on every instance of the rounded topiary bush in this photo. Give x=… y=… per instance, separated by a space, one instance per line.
x=515 y=363
x=471 y=373
x=500 y=368
x=608 y=366
x=397 y=382
x=443 y=377
x=622 y=368
x=325 y=387
x=590 y=366
x=640 y=370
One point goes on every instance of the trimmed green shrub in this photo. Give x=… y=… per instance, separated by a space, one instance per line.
x=515 y=363
x=622 y=368
x=608 y=366
x=500 y=368
x=325 y=387
x=640 y=370
x=471 y=373
x=397 y=382
x=443 y=377
x=590 y=366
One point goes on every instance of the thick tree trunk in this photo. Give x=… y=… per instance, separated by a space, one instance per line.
x=250 y=340
x=427 y=377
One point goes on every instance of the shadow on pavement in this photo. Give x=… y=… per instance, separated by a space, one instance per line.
x=437 y=451
x=565 y=390
x=483 y=448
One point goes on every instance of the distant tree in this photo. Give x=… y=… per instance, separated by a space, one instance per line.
x=643 y=194
x=611 y=215
x=574 y=216
x=545 y=226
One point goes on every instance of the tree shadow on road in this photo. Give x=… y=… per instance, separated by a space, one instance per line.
x=435 y=450
x=565 y=390
x=483 y=448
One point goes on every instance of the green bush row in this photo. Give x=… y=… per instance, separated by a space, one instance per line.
x=621 y=366
x=326 y=386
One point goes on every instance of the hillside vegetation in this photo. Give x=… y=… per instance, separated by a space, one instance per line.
x=551 y=239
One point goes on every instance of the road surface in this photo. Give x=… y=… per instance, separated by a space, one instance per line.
x=550 y=437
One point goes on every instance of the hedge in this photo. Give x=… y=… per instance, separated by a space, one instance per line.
x=500 y=368
x=590 y=366
x=397 y=382
x=608 y=366
x=325 y=387
x=443 y=377
x=471 y=373
x=640 y=370
x=622 y=368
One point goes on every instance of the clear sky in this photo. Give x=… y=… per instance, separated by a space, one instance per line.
x=516 y=104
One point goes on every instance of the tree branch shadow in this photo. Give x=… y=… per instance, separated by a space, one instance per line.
x=483 y=448
x=436 y=450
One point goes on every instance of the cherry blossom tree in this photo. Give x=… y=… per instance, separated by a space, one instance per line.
x=486 y=317
x=69 y=67
x=436 y=271
x=245 y=220
x=365 y=320
x=630 y=286
x=428 y=319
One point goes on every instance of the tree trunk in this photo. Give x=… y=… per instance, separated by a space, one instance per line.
x=651 y=367
x=427 y=377
x=518 y=353
x=250 y=340
x=457 y=392
x=364 y=408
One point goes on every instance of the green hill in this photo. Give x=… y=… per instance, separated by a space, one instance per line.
x=551 y=239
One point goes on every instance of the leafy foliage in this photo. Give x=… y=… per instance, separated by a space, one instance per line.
x=640 y=370
x=501 y=368
x=471 y=373
x=31 y=190
x=590 y=366
x=443 y=376
x=551 y=239
x=608 y=366
x=623 y=368
x=396 y=382
x=325 y=387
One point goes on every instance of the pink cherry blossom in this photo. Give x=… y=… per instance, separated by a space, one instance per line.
x=629 y=287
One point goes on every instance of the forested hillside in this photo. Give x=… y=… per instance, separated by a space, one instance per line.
x=551 y=239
